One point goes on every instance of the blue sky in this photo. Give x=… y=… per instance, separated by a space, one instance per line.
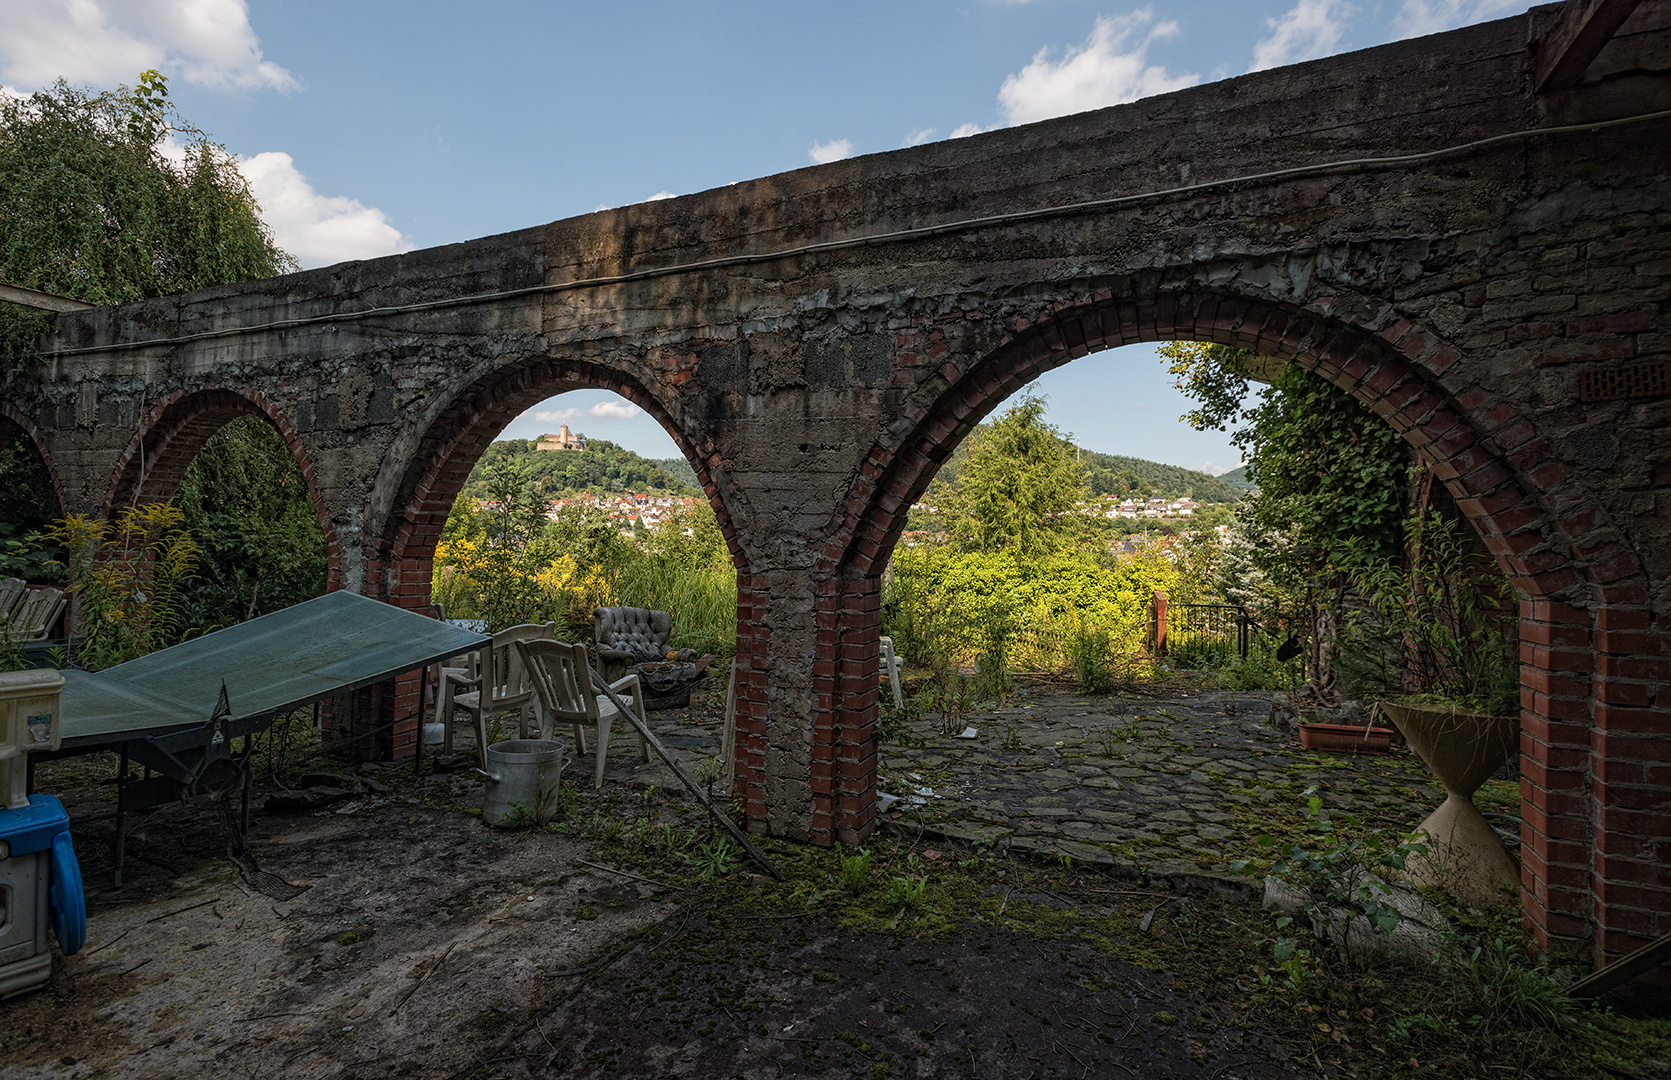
x=369 y=128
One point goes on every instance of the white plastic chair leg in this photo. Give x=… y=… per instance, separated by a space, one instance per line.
x=891 y=664
x=602 y=748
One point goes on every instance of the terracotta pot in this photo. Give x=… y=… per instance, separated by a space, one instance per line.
x=1463 y=749
x=1346 y=738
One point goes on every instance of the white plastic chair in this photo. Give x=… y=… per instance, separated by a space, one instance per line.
x=35 y=613
x=566 y=692
x=11 y=591
x=496 y=682
x=892 y=664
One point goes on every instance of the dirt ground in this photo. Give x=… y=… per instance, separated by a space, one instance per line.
x=425 y=944
x=389 y=933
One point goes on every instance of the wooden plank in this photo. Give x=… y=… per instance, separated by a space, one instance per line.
x=655 y=744
x=1622 y=971
x=17 y=294
x=1583 y=28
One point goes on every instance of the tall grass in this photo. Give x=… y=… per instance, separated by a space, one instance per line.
x=560 y=571
x=702 y=599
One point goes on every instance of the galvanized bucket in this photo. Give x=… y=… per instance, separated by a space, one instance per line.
x=522 y=779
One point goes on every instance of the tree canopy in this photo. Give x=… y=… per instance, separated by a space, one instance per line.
x=1327 y=468
x=112 y=197
x=1018 y=487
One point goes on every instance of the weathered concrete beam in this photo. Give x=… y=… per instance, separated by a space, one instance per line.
x=1584 y=28
x=17 y=294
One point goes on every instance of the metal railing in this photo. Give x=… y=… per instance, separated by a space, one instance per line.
x=1206 y=632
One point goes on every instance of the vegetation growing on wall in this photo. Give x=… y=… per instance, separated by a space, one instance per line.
x=1402 y=594
x=246 y=504
x=93 y=208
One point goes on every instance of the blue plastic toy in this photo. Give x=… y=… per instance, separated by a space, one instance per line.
x=35 y=839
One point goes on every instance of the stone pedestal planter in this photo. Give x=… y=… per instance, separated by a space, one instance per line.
x=1463 y=749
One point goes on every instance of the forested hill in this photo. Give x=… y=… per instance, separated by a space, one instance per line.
x=1111 y=474
x=1114 y=475
x=1238 y=478
x=678 y=468
x=603 y=468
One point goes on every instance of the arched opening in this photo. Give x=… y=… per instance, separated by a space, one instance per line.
x=242 y=483
x=30 y=501
x=1399 y=373
x=584 y=501
x=550 y=489
x=250 y=510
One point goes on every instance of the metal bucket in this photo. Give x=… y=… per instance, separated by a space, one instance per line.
x=522 y=779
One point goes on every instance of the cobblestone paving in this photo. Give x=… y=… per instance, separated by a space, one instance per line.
x=1181 y=784
x=1164 y=786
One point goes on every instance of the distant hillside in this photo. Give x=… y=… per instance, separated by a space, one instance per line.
x=678 y=468
x=1164 y=481
x=603 y=468
x=1237 y=478
x=1111 y=474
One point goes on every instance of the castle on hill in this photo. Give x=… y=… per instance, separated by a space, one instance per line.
x=563 y=440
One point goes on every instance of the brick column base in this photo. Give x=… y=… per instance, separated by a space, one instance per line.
x=849 y=627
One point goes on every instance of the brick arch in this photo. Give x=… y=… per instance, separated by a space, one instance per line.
x=1477 y=446
x=10 y=417
x=176 y=427
x=427 y=478
x=432 y=474
x=1584 y=594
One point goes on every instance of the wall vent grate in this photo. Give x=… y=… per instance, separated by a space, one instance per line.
x=1652 y=379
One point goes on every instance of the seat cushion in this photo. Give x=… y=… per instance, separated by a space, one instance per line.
x=639 y=632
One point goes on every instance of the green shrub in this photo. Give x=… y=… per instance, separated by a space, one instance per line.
x=855 y=870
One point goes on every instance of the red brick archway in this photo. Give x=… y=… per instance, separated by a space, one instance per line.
x=172 y=432
x=434 y=473
x=11 y=418
x=1592 y=790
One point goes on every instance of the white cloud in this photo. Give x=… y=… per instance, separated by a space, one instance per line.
x=1309 y=29
x=559 y=416
x=105 y=42
x=918 y=137
x=318 y=229
x=618 y=410
x=963 y=131
x=663 y=194
x=1095 y=74
x=1418 y=17
x=822 y=153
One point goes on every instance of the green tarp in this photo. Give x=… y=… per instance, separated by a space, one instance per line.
x=270 y=665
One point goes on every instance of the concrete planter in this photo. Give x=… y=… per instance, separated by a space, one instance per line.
x=1463 y=749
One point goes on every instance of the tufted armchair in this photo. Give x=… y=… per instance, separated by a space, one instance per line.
x=627 y=636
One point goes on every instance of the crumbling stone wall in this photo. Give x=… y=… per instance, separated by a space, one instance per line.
x=819 y=341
